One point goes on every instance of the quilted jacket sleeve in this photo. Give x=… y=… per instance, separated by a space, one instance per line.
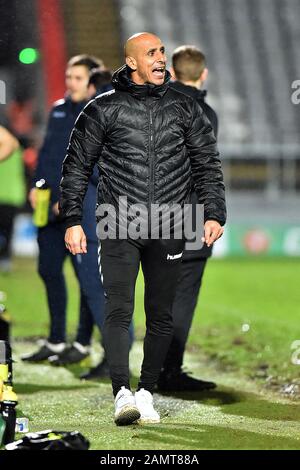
x=206 y=166
x=84 y=150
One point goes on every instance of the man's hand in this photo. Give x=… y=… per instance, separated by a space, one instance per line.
x=212 y=231
x=75 y=240
x=55 y=209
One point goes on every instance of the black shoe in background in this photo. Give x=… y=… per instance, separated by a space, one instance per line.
x=176 y=380
x=101 y=371
x=39 y=356
x=70 y=355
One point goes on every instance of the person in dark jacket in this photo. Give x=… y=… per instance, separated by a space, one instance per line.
x=52 y=250
x=190 y=71
x=148 y=142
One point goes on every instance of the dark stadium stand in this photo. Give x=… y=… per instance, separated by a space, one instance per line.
x=251 y=48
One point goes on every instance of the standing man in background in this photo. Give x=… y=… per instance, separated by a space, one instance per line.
x=52 y=250
x=190 y=72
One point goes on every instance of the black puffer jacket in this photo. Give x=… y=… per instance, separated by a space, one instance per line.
x=146 y=141
x=199 y=96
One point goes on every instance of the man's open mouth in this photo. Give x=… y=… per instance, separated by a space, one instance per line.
x=159 y=72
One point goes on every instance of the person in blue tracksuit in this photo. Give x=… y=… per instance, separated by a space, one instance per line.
x=52 y=250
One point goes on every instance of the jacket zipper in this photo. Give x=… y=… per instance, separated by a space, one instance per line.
x=151 y=159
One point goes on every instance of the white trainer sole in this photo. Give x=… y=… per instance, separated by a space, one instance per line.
x=148 y=421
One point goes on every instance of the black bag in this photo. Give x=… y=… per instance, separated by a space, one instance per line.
x=50 y=440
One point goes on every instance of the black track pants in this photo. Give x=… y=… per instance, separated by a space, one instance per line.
x=183 y=310
x=119 y=262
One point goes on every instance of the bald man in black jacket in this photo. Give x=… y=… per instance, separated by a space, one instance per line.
x=150 y=144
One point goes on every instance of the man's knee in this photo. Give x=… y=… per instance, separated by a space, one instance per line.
x=159 y=320
x=118 y=312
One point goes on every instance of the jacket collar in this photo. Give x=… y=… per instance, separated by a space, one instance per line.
x=121 y=80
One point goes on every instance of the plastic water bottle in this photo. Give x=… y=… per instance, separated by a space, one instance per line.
x=22 y=425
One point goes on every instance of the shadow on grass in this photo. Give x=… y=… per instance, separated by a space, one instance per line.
x=208 y=397
x=175 y=403
x=254 y=406
x=238 y=403
x=234 y=402
x=187 y=436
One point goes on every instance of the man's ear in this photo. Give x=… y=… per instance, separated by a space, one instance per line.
x=172 y=72
x=131 y=62
x=204 y=75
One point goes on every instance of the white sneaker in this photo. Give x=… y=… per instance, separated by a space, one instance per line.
x=144 y=402
x=126 y=411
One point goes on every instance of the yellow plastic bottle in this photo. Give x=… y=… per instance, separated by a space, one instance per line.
x=41 y=211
